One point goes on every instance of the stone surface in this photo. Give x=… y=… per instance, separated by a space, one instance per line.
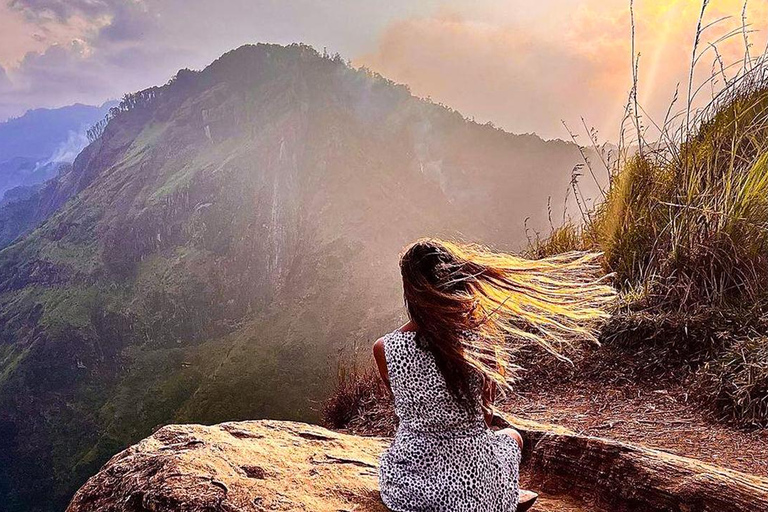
x=243 y=466
x=277 y=465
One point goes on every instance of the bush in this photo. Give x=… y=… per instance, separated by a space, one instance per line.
x=737 y=381
x=360 y=403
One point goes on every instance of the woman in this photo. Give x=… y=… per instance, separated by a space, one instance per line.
x=464 y=302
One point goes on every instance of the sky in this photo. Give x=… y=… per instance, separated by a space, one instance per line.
x=524 y=66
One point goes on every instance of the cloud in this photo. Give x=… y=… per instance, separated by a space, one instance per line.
x=566 y=61
x=68 y=150
x=57 y=52
x=63 y=10
x=523 y=65
x=113 y=20
x=5 y=83
x=502 y=73
x=108 y=49
x=36 y=79
x=78 y=72
x=129 y=22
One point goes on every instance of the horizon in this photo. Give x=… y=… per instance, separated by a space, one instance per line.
x=537 y=67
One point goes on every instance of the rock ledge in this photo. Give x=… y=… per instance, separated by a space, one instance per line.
x=254 y=466
x=239 y=466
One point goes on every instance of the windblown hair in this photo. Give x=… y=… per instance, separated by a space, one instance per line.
x=471 y=305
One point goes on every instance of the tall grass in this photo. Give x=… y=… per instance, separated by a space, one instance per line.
x=684 y=226
x=360 y=403
x=689 y=222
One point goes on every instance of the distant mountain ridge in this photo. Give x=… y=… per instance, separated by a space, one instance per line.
x=38 y=133
x=226 y=237
x=35 y=145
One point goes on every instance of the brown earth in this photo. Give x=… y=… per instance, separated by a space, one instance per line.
x=661 y=417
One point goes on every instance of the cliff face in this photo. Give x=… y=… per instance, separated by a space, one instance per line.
x=228 y=235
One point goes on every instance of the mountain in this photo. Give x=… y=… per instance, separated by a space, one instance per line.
x=224 y=239
x=33 y=146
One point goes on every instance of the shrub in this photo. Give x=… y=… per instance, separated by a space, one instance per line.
x=360 y=403
x=737 y=380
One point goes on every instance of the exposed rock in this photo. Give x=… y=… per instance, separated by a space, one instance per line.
x=244 y=466
x=274 y=465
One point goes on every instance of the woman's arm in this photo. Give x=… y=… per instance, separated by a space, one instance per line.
x=381 y=362
x=489 y=395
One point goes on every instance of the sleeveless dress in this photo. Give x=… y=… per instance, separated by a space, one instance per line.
x=443 y=458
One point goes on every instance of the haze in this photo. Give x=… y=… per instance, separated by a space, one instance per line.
x=522 y=66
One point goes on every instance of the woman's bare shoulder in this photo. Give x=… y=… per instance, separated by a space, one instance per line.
x=378 y=345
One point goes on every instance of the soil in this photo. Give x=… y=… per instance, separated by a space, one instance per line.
x=652 y=416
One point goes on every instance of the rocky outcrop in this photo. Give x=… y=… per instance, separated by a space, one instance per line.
x=244 y=466
x=272 y=465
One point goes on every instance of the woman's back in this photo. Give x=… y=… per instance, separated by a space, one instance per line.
x=443 y=457
x=423 y=401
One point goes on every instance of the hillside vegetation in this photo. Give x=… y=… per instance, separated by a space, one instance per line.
x=684 y=228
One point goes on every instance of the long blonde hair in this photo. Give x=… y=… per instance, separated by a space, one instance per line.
x=454 y=289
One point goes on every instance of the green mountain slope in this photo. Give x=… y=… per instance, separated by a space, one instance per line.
x=224 y=240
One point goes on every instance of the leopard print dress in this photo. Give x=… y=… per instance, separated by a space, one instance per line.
x=443 y=458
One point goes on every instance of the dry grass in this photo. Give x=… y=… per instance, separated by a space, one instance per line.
x=684 y=229
x=737 y=380
x=360 y=403
x=688 y=224
x=563 y=239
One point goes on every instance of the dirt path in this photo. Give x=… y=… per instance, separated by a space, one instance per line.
x=658 y=418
